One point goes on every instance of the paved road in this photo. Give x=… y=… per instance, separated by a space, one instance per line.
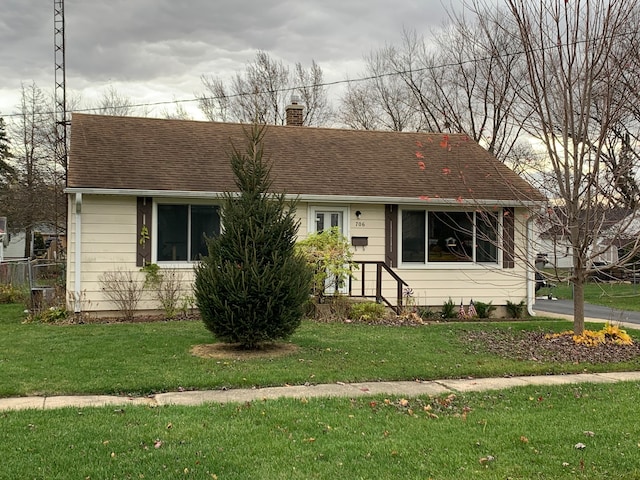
x=565 y=307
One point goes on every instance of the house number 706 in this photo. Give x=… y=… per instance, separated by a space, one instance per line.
x=359 y=223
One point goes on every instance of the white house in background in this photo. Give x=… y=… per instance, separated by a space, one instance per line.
x=610 y=225
x=437 y=210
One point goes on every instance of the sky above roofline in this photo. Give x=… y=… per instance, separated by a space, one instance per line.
x=157 y=50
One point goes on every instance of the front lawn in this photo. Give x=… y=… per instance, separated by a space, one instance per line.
x=143 y=358
x=572 y=431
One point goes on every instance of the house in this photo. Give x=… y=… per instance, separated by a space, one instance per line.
x=436 y=210
x=608 y=226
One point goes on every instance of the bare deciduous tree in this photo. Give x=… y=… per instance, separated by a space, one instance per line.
x=261 y=93
x=574 y=98
x=30 y=195
x=383 y=100
x=461 y=80
x=112 y=102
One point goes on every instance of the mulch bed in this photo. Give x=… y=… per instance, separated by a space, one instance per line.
x=535 y=347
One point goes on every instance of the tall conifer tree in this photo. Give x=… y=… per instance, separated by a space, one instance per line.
x=253 y=285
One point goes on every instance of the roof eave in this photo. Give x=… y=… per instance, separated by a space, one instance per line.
x=311 y=197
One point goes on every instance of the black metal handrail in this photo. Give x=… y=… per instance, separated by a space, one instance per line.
x=380 y=266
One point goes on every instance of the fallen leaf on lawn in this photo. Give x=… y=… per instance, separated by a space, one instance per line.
x=589 y=433
x=169 y=426
x=487 y=459
x=524 y=439
x=580 y=446
x=565 y=464
x=157 y=444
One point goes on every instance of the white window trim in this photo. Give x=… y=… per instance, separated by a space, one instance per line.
x=154 y=244
x=311 y=217
x=448 y=265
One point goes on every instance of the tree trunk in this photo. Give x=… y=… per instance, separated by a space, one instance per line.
x=28 y=233
x=578 y=304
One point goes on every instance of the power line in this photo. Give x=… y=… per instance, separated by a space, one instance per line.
x=336 y=82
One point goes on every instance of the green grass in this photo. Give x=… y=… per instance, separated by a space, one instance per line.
x=623 y=296
x=143 y=358
x=529 y=432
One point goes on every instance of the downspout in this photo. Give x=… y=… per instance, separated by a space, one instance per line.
x=77 y=307
x=530 y=275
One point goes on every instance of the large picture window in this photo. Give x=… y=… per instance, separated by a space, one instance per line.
x=182 y=230
x=437 y=237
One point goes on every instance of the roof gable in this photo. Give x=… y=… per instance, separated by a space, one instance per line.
x=148 y=154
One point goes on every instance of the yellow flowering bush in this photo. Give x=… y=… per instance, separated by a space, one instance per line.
x=608 y=335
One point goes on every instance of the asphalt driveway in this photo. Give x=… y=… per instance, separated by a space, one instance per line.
x=565 y=307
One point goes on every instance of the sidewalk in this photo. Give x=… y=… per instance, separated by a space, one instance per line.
x=433 y=387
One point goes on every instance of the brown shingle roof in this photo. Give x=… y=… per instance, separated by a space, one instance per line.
x=154 y=154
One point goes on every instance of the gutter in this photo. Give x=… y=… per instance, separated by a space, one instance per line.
x=530 y=275
x=308 y=197
x=77 y=305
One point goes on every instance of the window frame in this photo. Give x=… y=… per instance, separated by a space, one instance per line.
x=313 y=209
x=156 y=223
x=473 y=264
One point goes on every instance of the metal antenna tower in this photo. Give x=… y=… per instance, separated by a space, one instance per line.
x=61 y=121
x=60 y=93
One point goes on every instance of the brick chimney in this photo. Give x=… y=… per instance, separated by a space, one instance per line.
x=294 y=112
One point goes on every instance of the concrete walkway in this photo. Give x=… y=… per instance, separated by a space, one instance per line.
x=409 y=389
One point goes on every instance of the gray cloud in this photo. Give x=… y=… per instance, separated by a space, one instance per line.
x=156 y=44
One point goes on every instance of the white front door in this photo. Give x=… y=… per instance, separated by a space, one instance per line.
x=324 y=219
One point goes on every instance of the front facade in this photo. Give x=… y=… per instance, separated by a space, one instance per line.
x=443 y=214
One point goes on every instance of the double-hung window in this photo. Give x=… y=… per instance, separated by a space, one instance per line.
x=432 y=237
x=183 y=229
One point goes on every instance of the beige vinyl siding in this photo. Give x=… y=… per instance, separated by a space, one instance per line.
x=109 y=242
x=370 y=225
x=434 y=284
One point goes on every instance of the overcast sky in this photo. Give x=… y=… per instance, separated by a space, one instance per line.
x=156 y=50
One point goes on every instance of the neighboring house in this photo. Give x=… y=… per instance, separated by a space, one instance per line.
x=440 y=211
x=51 y=251
x=611 y=226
